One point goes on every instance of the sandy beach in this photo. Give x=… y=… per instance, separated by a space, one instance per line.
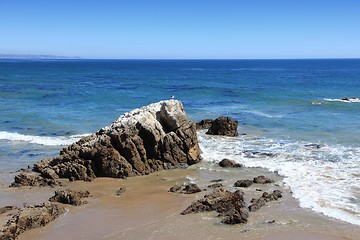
x=146 y=210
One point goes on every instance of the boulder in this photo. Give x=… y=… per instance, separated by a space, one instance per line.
x=30 y=217
x=226 y=163
x=230 y=205
x=224 y=126
x=152 y=138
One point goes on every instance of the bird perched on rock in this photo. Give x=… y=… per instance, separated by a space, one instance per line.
x=172 y=97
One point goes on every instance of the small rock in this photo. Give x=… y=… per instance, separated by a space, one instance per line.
x=243 y=183
x=215 y=185
x=7 y=209
x=186 y=189
x=217 y=180
x=266 y=197
x=204 y=124
x=227 y=163
x=120 y=191
x=262 y=180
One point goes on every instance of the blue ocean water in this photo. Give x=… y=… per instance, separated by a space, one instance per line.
x=283 y=106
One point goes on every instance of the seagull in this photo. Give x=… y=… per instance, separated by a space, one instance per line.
x=172 y=97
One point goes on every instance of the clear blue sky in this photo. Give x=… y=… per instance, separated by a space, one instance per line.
x=181 y=28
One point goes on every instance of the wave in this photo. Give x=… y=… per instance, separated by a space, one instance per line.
x=41 y=140
x=324 y=178
x=347 y=100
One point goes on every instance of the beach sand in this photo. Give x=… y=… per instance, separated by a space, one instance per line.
x=146 y=210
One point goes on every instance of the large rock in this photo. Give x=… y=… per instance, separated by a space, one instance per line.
x=152 y=138
x=30 y=217
x=224 y=126
x=70 y=197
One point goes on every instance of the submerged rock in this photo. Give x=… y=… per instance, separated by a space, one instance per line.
x=30 y=217
x=224 y=126
x=243 y=183
x=148 y=139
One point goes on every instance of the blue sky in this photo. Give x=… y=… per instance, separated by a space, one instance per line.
x=182 y=28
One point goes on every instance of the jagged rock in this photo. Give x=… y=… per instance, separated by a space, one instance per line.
x=186 y=189
x=226 y=203
x=30 y=217
x=262 y=179
x=204 y=124
x=7 y=209
x=148 y=139
x=266 y=197
x=243 y=183
x=224 y=126
x=70 y=197
x=226 y=163
x=32 y=179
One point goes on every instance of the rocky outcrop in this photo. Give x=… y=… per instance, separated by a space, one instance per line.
x=30 y=217
x=224 y=126
x=70 y=197
x=266 y=197
x=148 y=139
x=243 y=183
x=262 y=179
x=204 y=124
x=230 y=205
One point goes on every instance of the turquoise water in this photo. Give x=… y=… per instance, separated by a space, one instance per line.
x=282 y=106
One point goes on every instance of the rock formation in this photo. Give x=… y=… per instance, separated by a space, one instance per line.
x=226 y=163
x=231 y=205
x=148 y=139
x=30 y=217
x=185 y=189
x=70 y=197
x=224 y=126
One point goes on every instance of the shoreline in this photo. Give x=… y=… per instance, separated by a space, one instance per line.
x=146 y=210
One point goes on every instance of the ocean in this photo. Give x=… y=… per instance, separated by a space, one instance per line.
x=292 y=116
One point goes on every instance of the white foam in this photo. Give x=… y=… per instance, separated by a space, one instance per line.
x=41 y=140
x=324 y=179
x=347 y=100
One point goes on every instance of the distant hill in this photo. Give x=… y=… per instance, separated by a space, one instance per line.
x=29 y=56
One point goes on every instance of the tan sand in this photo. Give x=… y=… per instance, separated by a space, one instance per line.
x=146 y=210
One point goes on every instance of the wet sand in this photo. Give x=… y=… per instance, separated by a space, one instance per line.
x=146 y=210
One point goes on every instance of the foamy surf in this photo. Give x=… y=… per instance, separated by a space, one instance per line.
x=41 y=140
x=324 y=179
x=346 y=100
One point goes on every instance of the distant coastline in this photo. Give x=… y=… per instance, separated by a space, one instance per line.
x=30 y=56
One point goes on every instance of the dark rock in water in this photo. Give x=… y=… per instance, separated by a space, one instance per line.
x=215 y=185
x=29 y=218
x=243 y=183
x=226 y=163
x=313 y=145
x=186 y=189
x=204 y=124
x=148 y=139
x=32 y=179
x=217 y=180
x=226 y=203
x=256 y=154
x=224 y=126
x=266 y=197
x=262 y=179
x=70 y=197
